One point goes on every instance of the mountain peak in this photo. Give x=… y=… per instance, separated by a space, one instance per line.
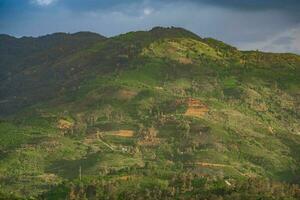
x=87 y=34
x=173 y=31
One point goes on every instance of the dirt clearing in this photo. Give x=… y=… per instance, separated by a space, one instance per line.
x=196 y=108
x=123 y=133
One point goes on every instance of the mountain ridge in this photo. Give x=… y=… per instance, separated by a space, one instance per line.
x=154 y=29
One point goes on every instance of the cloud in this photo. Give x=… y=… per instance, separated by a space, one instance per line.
x=254 y=4
x=147 y=11
x=285 y=41
x=288 y=41
x=43 y=2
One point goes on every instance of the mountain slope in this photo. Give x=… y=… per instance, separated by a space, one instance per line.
x=162 y=112
x=26 y=66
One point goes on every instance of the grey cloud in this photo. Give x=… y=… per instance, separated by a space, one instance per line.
x=255 y=4
x=287 y=40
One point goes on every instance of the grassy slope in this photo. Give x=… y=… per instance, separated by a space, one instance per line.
x=251 y=129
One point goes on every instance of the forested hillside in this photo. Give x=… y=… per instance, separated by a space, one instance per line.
x=159 y=114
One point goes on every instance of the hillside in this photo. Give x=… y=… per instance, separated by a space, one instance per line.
x=159 y=114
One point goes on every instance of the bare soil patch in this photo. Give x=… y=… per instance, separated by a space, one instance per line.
x=64 y=125
x=123 y=133
x=126 y=94
x=185 y=60
x=196 y=108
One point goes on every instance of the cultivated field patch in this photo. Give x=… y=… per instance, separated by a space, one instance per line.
x=196 y=108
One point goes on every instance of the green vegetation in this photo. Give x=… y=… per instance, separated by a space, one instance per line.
x=182 y=50
x=162 y=114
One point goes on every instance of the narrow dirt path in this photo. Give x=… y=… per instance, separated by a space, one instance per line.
x=205 y=164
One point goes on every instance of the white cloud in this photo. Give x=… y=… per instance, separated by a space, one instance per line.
x=43 y=2
x=147 y=11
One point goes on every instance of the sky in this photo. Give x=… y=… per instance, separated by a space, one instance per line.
x=267 y=25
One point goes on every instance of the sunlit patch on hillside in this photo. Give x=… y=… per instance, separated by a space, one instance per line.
x=182 y=50
x=64 y=125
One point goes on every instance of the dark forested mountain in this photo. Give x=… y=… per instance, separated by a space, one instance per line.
x=26 y=65
x=159 y=114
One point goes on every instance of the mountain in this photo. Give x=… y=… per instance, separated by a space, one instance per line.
x=159 y=114
x=26 y=64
